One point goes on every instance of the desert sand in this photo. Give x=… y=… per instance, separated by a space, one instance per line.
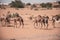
x=29 y=32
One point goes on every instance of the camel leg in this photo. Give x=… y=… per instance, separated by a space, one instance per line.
x=35 y=25
x=41 y=25
x=54 y=25
x=15 y=23
x=22 y=24
x=47 y=25
x=6 y=23
x=44 y=25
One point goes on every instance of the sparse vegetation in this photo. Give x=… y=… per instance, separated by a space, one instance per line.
x=0 y=6
x=34 y=6
x=56 y=6
x=28 y=4
x=17 y=4
x=46 y=5
x=43 y=5
x=59 y=2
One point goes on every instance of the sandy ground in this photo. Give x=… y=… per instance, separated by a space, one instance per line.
x=29 y=32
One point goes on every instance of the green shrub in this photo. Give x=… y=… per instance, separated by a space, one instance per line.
x=17 y=4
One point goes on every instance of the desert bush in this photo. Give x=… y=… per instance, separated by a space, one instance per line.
x=46 y=5
x=28 y=4
x=59 y=2
x=43 y=5
x=17 y=4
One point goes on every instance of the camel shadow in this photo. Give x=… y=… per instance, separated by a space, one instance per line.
x=12 y=39
x=57 y=27
x=46 y=29
x=10 y=25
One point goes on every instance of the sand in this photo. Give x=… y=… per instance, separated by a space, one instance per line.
x=29 y=32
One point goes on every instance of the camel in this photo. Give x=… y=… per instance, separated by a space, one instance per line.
x=19 y=19
x=40 y=21
x=45 y=20
x=12 y=17
x=37 y=21
x=2 y=19
x=55 y=19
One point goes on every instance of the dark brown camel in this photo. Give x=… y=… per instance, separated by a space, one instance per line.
x=45 y=20
x=37 y=21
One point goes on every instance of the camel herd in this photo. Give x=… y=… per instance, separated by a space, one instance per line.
x=12 y=17
x=44 y=20
x=38 y=20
